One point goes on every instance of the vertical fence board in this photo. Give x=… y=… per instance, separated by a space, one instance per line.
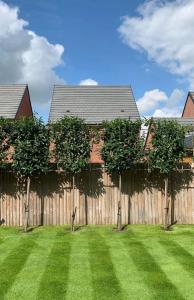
x=96 y=199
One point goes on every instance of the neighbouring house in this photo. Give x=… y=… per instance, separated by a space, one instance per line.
x=188 y=110
x=14 y=104
x=15 y=101
x=94 y=104
x=189 y=139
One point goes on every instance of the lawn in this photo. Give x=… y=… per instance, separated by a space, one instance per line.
x=142 y=262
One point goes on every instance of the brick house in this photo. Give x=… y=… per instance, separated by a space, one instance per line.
x=15 y=101
x=188 y=110
x=94 y=104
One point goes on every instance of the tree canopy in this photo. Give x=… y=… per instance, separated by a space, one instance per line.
x=30 y=139
x=72 y=144
x=167 y=145
x=6 y=128
x=123 y=146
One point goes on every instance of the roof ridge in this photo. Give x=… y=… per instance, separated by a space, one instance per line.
x=13 y=84
x=90 y=86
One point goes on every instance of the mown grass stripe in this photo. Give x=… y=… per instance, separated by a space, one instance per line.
x=14 y=262
x=79 y=284
x=26 y=285
x=150 y=271
x=183 y=257
x=8 y=245
x=170 y=266
x=104 y=280
x=127 y=273
x=54 y=280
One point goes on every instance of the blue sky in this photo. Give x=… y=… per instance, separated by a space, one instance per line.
x=95 y=48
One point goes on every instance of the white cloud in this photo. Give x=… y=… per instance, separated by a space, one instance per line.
x=158 y=104
x=26 y=57
x=164 y=30
x=151 y=100
x=88 y=81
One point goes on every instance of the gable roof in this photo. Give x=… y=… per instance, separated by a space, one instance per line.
x=11 y=96
x=95 y=104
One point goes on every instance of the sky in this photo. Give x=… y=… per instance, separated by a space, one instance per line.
x=145 y=44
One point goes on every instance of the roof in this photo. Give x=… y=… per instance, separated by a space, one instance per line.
x=10 y=99
x=192 y=95
x=95 y=104
x=182 y=121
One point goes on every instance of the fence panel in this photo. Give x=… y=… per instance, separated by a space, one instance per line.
x=96 y=198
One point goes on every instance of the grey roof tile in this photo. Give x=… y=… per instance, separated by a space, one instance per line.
x=93 y=103
x=10 y=98
x=192 y=95
x=182 y=121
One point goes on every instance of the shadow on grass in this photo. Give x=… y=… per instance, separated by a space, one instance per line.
x=104 y=280
x=150 y=272
x=14 y=263
x=180 y=254
x=32 y=228
x=54 y=281
x=1 y=241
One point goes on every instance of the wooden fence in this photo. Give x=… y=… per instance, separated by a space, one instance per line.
x=96 y=199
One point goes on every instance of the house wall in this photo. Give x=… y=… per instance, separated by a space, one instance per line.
x=188 y=111
x=25 y=108
x=148 y=141
x=95 y=155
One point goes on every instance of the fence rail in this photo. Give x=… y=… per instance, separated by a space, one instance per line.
x=96 y=198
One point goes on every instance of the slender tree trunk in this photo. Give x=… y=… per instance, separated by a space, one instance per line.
x=86 y=209
x=166 y=207
x=119 y=221
x=73 y=206
x=26 y=206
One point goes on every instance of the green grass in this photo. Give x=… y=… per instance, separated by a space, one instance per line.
x=142 y=262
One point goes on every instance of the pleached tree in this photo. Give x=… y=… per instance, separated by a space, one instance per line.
x=72 y=150
x=166 y=152
x=6 y=128
x=122 y=150
x=30 y=140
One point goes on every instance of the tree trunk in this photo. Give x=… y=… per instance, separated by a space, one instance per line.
x=166 y=207
x=119 y=221
x=73 y=206
x=26 y=206
x=86 y=209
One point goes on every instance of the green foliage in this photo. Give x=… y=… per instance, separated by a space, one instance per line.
x=168 y=145
x=30 y=139
x=123 y=146
x=72 y=144
x=6 y=127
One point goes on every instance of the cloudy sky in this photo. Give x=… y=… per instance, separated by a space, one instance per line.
x=146 y=44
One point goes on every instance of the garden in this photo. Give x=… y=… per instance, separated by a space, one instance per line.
x=95 y=262
x=120 y=261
